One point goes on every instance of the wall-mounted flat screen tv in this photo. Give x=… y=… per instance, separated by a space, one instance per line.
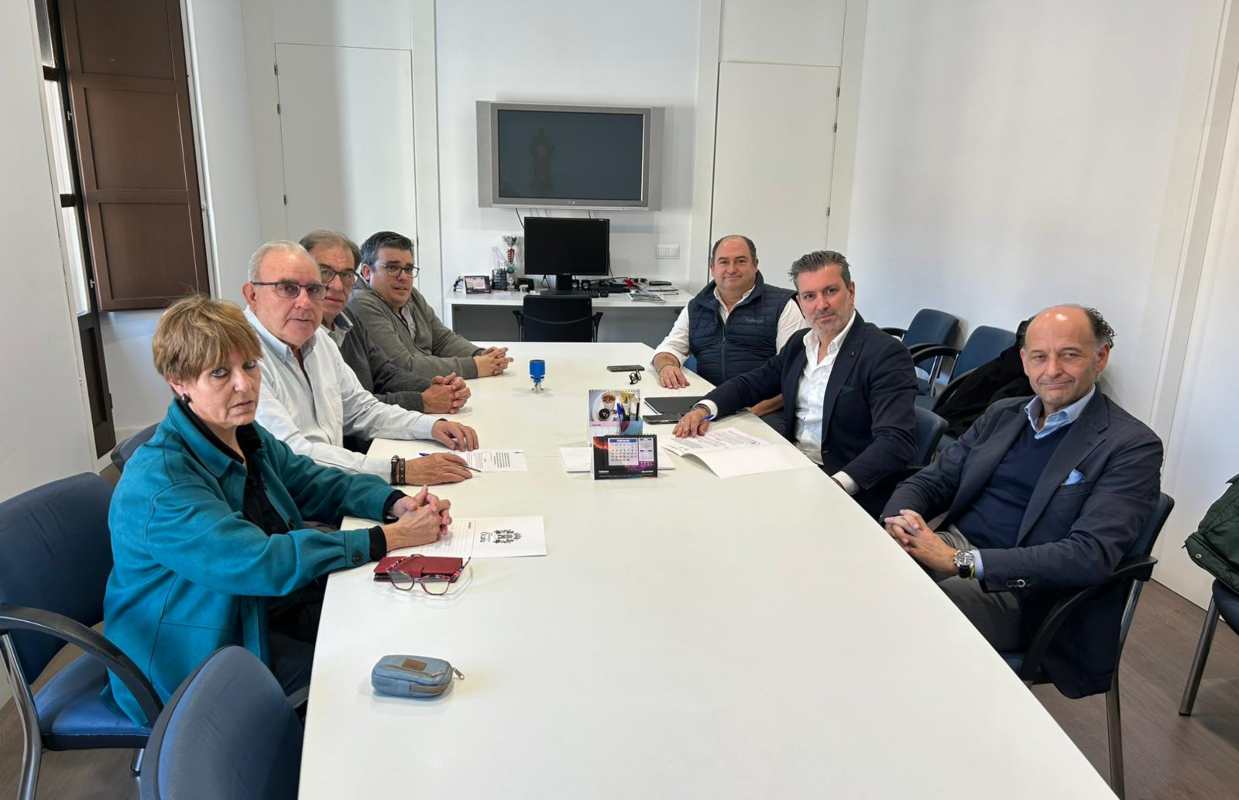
x=541 y=155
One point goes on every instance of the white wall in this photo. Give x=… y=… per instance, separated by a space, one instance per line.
x=225 y=139
x=1204 y=441
x=1013 y=155
x=46 y=423
x=637 y=53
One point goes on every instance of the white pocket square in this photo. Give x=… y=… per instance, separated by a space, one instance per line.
x=1075 y=477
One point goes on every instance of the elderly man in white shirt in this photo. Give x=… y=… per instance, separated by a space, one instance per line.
x=310 y=397
x=733 y=325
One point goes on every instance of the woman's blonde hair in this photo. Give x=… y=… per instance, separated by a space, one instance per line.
x=197 y=334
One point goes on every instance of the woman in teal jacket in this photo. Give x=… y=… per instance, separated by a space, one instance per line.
x=208 y=520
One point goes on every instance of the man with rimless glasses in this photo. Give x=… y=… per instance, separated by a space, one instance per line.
x=403 y=324
x=337 y=258
x=312 y=398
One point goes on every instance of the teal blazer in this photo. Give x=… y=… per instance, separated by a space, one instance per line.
x=191 y=574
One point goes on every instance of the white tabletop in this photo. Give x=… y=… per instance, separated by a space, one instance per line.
x=676 y=299
x=686 y=636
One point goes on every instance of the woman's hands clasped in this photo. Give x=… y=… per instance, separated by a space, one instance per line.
x=421 y=519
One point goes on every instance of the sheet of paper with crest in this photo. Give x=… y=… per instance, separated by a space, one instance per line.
x=478 y=537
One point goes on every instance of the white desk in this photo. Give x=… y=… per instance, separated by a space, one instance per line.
x=489 y=316
x=685 y=637
x=676 y=300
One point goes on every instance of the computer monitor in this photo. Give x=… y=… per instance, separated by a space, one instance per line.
x=567 y=246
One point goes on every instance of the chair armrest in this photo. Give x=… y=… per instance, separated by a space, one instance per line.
x=1139 y=568
x=896 y=332
x=920 y=352
x=91 y=642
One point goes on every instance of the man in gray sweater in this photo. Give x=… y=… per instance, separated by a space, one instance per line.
x=337 y=258
x=403 y=325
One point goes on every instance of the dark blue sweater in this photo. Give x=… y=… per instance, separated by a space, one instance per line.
x=995 y=516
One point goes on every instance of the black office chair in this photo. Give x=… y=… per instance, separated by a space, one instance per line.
x=227 y=733
x=124 y=451
x=550 y=318
x=57 y=556
x=984 y=344
x=1132 y=572
x=1225 y=604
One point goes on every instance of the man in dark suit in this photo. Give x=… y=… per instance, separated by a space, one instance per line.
x=1040 y=496
x=848 y=388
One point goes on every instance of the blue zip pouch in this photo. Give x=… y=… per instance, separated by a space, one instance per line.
x=412 y=676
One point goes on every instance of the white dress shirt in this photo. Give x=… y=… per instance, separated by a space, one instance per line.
x=811 y=393
x=311 y=405
x=676 y=343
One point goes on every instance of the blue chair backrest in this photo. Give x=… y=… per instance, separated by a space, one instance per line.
x=125 y=450
x=56 y=555
x=929 y=430
x=930 y=326
x=984 y=345
x=227 y=733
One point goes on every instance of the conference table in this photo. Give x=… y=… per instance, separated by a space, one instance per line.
x=684 y=636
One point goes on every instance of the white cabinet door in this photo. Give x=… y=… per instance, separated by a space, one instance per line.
x=786 y=32
x=774 y=149
x=346 y=123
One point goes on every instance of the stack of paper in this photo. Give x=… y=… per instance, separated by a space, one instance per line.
x=729 y=453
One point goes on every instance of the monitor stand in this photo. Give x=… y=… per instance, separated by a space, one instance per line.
x=563 y=284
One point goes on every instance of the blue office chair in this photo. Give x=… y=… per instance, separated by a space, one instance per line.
x=929 y=430
x=928 y=327
x=1225 y=604
x=551 y=318
x=227 y=733
x=1132 y=572
x=57 y=556
x=124 y=451
x=984 y=344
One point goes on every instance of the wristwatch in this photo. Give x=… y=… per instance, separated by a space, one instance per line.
x=966 y=563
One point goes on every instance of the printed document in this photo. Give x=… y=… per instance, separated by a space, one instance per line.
x=479 y=537
x=730 y=453
x=496 y=460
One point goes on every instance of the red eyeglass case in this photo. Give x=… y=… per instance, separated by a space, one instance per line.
x=417 y=566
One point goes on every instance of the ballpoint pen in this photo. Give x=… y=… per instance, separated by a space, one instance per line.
x=475 y=469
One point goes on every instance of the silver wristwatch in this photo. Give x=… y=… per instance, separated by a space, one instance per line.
x=966 y=563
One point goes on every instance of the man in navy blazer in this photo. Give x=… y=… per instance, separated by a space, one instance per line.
x=848 y=388
x=1040 y=496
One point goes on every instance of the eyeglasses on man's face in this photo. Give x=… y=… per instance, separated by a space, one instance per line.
x=291 y=290
x=347 y=277
x=394 y=268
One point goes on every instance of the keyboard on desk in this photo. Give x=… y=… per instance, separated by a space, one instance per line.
x=592 y=293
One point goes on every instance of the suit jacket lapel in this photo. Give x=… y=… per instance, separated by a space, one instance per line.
x=984 y=459
x=1080 y=438
x=841 y=372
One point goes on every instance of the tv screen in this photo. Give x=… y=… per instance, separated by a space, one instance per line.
x=584 y=156
x=564 y=246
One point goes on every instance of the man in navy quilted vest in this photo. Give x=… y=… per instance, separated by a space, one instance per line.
x=734 y=324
